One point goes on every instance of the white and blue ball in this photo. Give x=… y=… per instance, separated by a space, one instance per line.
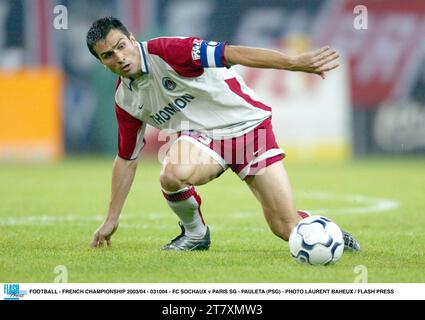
x=316 y=240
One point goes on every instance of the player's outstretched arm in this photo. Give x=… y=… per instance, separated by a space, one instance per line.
x=123 y=174
x=318 y=61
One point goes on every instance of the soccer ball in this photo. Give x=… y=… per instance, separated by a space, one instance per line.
x=316 y=240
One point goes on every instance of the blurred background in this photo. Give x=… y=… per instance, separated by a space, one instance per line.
x=57 y=100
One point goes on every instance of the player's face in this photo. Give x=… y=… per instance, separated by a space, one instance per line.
x=120 y=54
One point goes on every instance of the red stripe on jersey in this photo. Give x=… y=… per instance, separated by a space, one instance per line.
x=128 y=128
x=178 y=54
x=235 y=86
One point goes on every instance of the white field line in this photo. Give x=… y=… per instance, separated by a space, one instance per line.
x=356 y=204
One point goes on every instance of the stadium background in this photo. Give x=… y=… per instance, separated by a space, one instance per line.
x=362 y=131
x=385 y=62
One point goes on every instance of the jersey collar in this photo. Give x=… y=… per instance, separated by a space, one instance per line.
x=143 y=63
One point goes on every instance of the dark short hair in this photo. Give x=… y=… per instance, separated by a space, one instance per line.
x=100 y=29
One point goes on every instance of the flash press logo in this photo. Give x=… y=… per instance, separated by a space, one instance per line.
x=12 y=292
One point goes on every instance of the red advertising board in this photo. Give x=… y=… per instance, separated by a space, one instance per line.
x=384 y=57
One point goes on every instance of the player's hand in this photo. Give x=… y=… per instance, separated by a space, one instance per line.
x=318 y=62
x=104 y=233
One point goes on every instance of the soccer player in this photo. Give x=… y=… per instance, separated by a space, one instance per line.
x=187 y=85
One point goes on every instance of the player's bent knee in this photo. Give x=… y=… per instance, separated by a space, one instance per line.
x=169 y=182
x=173 y=178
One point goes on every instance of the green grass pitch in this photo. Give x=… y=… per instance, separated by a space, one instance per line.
x=49 y=213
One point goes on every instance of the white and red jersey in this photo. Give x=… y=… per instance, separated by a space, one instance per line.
x=185 y=86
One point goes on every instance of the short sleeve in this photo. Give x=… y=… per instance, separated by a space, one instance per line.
x=189 y=56
x=130 y=134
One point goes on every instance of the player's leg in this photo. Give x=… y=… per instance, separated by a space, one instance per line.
x=186 y=165
x=273 y=190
